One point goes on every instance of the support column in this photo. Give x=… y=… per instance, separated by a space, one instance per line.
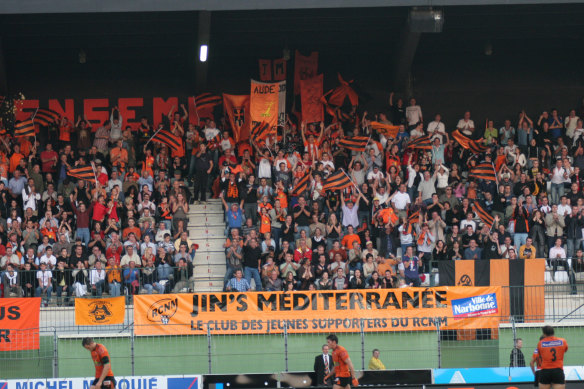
x=405 y=54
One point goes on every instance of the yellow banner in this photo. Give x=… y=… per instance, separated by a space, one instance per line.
x=407 y=309
x=100 y=311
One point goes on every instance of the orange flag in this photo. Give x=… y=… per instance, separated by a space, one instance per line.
x=265 y=69
x=310 y=95
x=344 y=90
x=304 y=68
x=236 y=107
x=265 y=102
x=100 y=311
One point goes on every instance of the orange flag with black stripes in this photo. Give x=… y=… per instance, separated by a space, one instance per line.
x=310 y=95
x=355 y=143
x=484 y=171
x=45 y=117
x=337 y=181
x=24 y=128
x=387 y=130
x=85 y=173
x=339 y=94
x=205 y=103
x=302 y=185
x=422 y=143
x=483 y=214
x=236 y=107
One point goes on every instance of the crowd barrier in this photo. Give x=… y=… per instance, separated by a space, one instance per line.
x=139 y=382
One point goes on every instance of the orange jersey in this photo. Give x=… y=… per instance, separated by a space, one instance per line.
x=339 y=357
x=100 y=357
x=551 y=351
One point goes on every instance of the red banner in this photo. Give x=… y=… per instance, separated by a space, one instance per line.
x=236 y=107
x=265 y=69
x=310 y=95
x=304 y=68
x=19 y=323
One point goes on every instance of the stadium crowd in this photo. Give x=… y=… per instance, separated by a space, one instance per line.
x=408 y=201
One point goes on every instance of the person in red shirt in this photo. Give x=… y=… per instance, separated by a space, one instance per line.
x=343 y=368
x=104 y=376
x=550 y=351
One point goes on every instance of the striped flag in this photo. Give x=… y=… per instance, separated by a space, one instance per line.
x=174 y=142
x=355 y=143
x=83 y=173
x=475 y=146
x=484 y=171
x=422 y=143
x=260 y=131
x=204 y=105
x=215 y=143
x=482 y=214
x=24 y=128
x=45 y=117
x=414 y=217
x=302 y=185
x=387 y=130
x=337 y=181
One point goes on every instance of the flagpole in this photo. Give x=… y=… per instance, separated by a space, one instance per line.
x=160 y=129
x=343 y=170
x=33 y=116
x=496 y=179
x=196 y=110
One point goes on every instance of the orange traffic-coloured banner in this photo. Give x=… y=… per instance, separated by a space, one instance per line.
x=310 y=97
x=265 y=102
x=100 y=311
x=19 y=323
x=406 y=309
x=236 y=107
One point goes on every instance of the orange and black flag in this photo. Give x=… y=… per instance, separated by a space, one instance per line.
x=45 y=117
x=85 y=173
x=260 y=131
x=174 y=142
x=337 y=181
x=484 y=171
x=475 y=146
x=483 y=214
x=302 y=185
x=522 y=280
x=215 y=143
x=421 y=143
x=338 y=95
x=355 y=143
x=24 y=128
x=387 y=130
x=204 y=105
x=414 y=217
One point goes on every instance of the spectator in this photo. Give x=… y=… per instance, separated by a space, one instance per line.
x=238 y=283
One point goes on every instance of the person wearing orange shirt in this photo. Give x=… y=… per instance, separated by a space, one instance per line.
x=343 y=368
x=349 y=238
x=15 y=158
x=104 y=376
x=119 y=155
x=65 y=129
x=312 y=145
x=550 y=355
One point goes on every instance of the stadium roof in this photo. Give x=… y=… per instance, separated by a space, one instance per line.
x=99 y=6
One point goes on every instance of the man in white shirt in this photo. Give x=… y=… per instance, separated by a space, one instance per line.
x=401 y=200
x=436 y=126
x=97 y=279
x=564 y=208
x=129 y=257
x=413 y=113
x=466 y=124
x=558 y=176
x=44 y=278
x=9 y=257
x=211 y=130
x=48 y=258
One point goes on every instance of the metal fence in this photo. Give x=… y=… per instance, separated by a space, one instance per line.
x=60 y=352
x=63 y=355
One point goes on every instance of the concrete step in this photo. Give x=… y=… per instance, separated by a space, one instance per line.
x=211 y=244
x=203 y=232
x=212 y=207
x=208 y=258
x=201 y=270
x=208 y=218
x=208 y=284
x=208 y=289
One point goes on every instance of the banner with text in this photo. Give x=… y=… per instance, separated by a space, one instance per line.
x=267 y=102
x=407 y=309
x=129 y=382
x=19 y=323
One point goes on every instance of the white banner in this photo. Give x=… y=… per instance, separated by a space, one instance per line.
x=143 y=382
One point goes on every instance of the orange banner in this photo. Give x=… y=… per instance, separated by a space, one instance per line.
x=236 y=107
x=19 y=323
x=265 y=102
x=407 y=309
x=304 y=68
x=98 y=311
x=310 y=95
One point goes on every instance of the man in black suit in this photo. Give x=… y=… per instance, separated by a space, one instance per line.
x=323 y=363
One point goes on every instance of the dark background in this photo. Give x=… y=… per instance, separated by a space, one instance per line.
x=536 y=60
